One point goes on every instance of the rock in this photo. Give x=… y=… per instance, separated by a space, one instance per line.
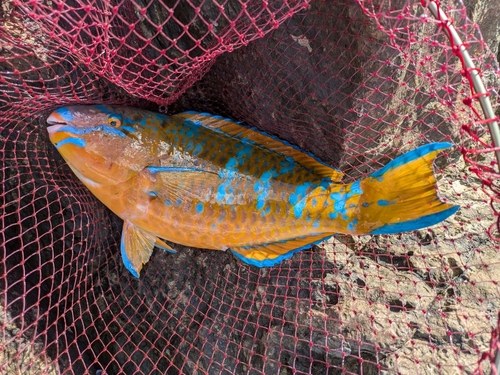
x=21 y=352
x=486 y=13
x=419 y=357
x=385 y=309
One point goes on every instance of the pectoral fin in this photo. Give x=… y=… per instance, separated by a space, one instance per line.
x=136 y=247
x=173 y=183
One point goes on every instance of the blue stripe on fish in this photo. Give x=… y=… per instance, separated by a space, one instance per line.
x=299 y=193
x=339 y=206
x=355 y=189
x=76 y=141
x=65 y=113
x=153 y=169
x=298 y=209
x=104 y=109
x=230 y=196
x=197 y=149
x=335 y=196
x=190 y=122
x=127 y=128
x=112 y=131
x=221 y=193
x=383 y=202
x=302 y=188
x=262 y=188
x=172 y=251
x=232 y=163
x=126 y=262
x=244 y=153
x=352 y=225
x=287 y=165
x=260 y=202
x=266 y=176
x=424 y=221
x=191 y=129
x=80 y=131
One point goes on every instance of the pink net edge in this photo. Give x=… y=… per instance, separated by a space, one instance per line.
x=61 y=103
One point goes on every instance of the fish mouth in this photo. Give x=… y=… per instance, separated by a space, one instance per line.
x=55 y=118
x=60 y=137
x=54 y=128
x=56 y=122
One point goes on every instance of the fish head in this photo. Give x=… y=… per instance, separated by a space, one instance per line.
x=102 y=144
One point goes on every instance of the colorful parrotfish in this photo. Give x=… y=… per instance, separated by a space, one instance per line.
x=206 y=181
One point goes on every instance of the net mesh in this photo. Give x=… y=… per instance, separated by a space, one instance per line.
x=355 y=82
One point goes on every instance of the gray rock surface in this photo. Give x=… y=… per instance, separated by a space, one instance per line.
x=486 y=13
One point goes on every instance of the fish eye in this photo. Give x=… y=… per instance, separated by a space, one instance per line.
x=114 y=121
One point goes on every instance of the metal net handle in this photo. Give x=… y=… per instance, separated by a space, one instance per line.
x=478 y=92
x=471 y=73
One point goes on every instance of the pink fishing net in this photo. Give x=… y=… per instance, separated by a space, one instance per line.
x=354 y=82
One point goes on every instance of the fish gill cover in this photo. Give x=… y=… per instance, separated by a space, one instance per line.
x=354 y=82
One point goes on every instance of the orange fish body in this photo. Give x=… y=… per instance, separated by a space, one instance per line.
x=205 y=181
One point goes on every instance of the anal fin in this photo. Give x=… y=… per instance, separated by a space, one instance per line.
x=272 y=253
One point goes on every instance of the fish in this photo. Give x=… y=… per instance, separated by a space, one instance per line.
x=210 y=182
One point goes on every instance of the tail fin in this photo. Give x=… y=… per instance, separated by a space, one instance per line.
x=402 y=196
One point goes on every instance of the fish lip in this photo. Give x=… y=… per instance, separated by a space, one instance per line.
x=55 y=128
x=56 y=119
x=55 y=122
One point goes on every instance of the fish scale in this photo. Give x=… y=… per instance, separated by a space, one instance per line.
x=206 y=181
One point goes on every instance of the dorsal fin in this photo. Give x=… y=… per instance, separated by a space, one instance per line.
x=236 y=130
